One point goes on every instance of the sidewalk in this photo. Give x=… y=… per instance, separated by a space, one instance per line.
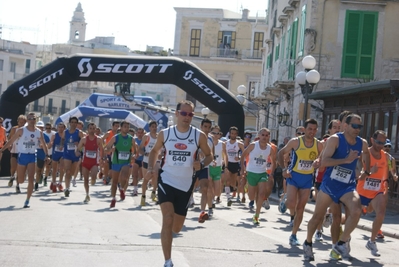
x=390 y=227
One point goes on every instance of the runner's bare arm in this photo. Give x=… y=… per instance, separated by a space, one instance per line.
x=155 y=151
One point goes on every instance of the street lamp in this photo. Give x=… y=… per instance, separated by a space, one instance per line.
x=205 y=112
x=284 y=118
x=307 y=80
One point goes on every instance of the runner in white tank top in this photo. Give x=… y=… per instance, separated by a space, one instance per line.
x=176 y=182
x=256 y=155
x=14 y=153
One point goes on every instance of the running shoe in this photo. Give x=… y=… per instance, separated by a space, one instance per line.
x=294 y=241
x=308 y=252
x=53 y=187
x=135 y=193
x=113 y=202
x=380 y=235
x=229 y=202
x=154 y=196
x=251 y=204
x=291 y=224
x=372 y=246
x=60 y=188
x=364 y=210
x=122 y=193
x=17 y=189
x=218 y=200
x=66 y=192
x=168 y=264
x=266 y=204
x=255 y=220
x=11 y=181
x=318 y=236
x=107 y=180
x=327 y=220
x=87 y=200
x=282 y=206
x=142 y=202
x=343 y=251
x=26 y=204
x=45 y=181
x=203 y=217
x=36 y=187
x=74 y=182
x=210 y=213
x=334 y=256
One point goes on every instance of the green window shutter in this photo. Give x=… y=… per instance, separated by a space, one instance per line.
x=359 y=44
x=302 y=32
x=277 y=52
x=282 y=47
x=292 y=55
x=288 y=43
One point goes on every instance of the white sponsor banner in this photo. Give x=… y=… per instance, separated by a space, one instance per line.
x=115 y=102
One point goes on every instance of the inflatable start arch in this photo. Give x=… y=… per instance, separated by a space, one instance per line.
x=168 y=70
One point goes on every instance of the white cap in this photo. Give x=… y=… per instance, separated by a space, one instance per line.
x=40 y=124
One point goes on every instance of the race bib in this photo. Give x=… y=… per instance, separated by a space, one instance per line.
x=268 y=165
x=91 y=154
x=341 y=174
x=124 y=155
x=179 y=158
x=59 y=149
x=231 y=153
x=305 y=165
x=372 y=184
x=71 y=146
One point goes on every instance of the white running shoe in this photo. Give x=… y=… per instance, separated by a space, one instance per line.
x=372 y=246
x=266 y=204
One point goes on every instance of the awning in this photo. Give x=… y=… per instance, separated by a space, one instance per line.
x=359 y=88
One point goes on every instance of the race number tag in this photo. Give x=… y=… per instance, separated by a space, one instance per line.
x=91 y=154
x=268 y=165
x=305 y=165
x=123 y=155
x=231 y=153
x=179 y=158
x=372 y=184
x=341 y=174
x=71 y=146
x=59 y=149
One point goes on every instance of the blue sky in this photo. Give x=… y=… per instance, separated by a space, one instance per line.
x=133 y=23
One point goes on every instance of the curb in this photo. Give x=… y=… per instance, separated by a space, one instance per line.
x=359 y=225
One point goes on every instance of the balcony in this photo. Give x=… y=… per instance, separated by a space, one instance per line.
x=288 y=10
x=283 y=19
x=251 y=54
x=293 y=3
x=223 y=52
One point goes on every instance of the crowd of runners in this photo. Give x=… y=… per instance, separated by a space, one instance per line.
x=344 y=174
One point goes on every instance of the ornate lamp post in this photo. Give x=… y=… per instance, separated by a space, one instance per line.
x=307 y=80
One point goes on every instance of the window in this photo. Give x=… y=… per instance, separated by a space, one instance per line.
x=292 y=49
x=195 y=42
x=302 y=31
x=227 y=38
x=13 y=66
x=50 y=106
x=27 y=66
x=63 y=106
x=225 y=83
x=359 y=44
x=1 y=64
x=258 y=40
x=36 y=105
x=77 y=103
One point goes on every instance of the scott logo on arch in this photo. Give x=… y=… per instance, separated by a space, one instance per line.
x=189 y=74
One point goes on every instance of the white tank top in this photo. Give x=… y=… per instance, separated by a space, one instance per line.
x=180 y=149
x=258 y=159
x=50 y=150
x=29 y=141
x=150 y=142
x=14 y=147
x=210 y=144
x=219 y=153
x=232 y=151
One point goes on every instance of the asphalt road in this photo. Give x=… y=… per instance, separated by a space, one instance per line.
x=59 y=231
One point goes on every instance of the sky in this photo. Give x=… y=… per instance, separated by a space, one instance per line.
x=134 y=23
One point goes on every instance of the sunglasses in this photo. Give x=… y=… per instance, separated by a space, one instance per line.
x=379 y=142
x=184 y=113
x=215 y=133
x=48 y=128
x=300 y=133
x=31 y=119
x=1 y=121
x=248 y=136
x=356 y=126
x=387 y=146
